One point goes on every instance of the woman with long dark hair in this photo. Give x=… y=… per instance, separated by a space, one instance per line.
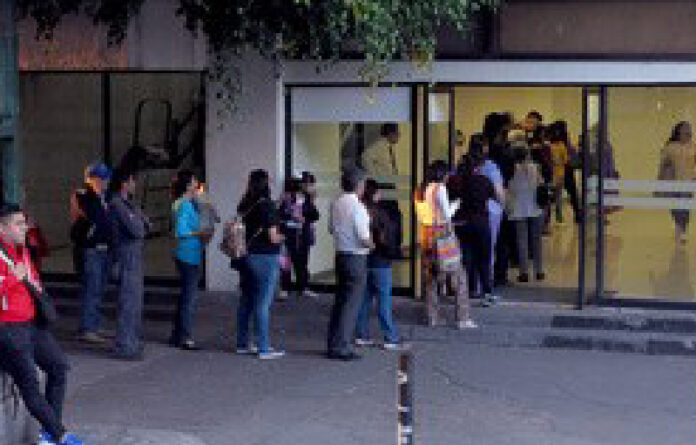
x=190 y=242
x=434 y=210
x=261 y=269
x=379 y=271
x=474 y=190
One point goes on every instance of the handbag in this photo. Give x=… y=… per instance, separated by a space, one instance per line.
x=46 y=313
x=448 y=255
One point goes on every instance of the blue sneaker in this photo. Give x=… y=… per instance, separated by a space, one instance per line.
x=70 y=439
x=45 y=439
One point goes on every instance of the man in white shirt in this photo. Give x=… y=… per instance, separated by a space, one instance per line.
x=349 y=223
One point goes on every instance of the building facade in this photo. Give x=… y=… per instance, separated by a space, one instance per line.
x=614 y=70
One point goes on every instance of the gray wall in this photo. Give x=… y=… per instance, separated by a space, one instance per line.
x=598 y=27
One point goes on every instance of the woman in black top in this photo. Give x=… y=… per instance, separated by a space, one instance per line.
x=474 y=190
x=379 y=271
x=261 y=269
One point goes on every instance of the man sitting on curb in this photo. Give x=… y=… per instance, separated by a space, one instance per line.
x=23 y=344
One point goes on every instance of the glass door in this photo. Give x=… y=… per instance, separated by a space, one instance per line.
x=647 y=204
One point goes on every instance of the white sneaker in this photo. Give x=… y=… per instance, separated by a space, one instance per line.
x=490 y=300
x=467 y=324
x=394 y=346
x=309 y=294
x=364 y=342
x=253 y=349
x=271 y=354
x=283 y=296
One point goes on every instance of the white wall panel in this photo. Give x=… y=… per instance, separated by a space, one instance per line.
x=346 y=104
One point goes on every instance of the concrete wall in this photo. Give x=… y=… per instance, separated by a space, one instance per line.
x=236 y=144
x=598 y=27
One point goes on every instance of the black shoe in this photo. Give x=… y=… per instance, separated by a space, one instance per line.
x=523 y=278
x=541 y=276
x=344 y=357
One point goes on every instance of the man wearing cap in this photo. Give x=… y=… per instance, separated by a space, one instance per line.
x=24 y=344
x=349 y=223
x=92 y=233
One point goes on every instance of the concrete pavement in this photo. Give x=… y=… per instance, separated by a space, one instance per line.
x=465 y=393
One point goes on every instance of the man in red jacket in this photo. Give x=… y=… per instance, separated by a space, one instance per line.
x=23 y=345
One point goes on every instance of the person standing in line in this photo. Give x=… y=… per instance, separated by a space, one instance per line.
x=495 y=133
x=474 y=191
x=678 y=163
x=190 y=242
x=490 y=170
x=434 y=211
x=309 y=236
x=379 y=272
x=24 y=343
x=349 y=223
x=297 y=213
x=260 y=271
x=569 y=184
x=559 y=158
x=92 y=232
x=130 y=228
x=525 y=211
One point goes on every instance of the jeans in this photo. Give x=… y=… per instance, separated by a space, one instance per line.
x=259 y=278
x=351 y=279
x=130 y=299
x=22 y=348
x=94 y=278
x=529 y=238
x=379 y=284
x=189 y=274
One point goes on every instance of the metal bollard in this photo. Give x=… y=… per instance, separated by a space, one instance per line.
x=404 y=403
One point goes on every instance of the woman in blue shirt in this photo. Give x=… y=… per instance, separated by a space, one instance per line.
x=190 y=241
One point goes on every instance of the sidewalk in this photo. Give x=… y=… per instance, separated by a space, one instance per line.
x=467 y=392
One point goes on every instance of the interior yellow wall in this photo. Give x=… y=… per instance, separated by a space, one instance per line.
x=473 y=103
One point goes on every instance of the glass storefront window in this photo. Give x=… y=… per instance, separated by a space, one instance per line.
x=649 y=203
x=63 y=118
x=330 y=135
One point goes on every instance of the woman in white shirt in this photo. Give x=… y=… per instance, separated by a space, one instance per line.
x=525 y=212
x=434 y=211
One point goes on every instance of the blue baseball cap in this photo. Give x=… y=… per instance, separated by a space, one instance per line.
x=99 y=170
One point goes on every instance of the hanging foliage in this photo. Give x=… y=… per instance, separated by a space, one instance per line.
x=376 y=31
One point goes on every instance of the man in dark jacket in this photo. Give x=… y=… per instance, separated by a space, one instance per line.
x=92 y=233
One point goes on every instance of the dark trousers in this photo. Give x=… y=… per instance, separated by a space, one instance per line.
x=475 y=237
x=189 y=274
x=504 y=250
x=572 y=190
x=299 y=257
x=351 y=280
x=21 y=349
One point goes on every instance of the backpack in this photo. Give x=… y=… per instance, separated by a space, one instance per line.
x=234 y=242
